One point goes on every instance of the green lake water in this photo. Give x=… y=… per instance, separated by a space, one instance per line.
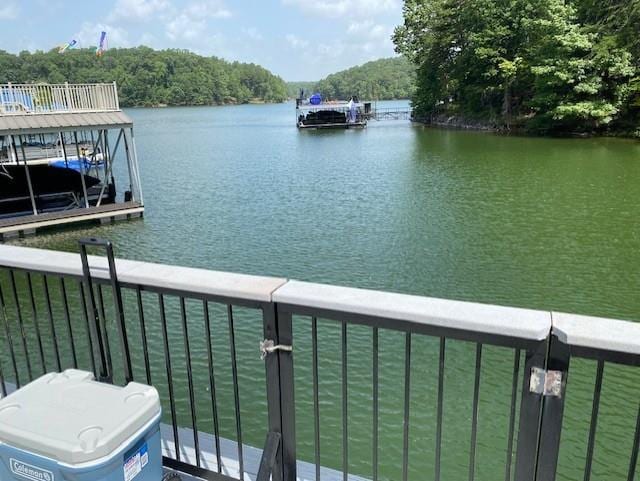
x=542 y=223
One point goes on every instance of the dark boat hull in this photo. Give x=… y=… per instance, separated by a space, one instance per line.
x=53 y=188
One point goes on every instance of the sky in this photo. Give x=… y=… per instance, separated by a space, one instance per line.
x=296 y=39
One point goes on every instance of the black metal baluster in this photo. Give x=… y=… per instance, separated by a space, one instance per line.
x=212 y=385
x=316 y=401
x=376 y=406
x=439 y=410
x=407 y=399
x=105 y=331
x=36 y=324
x=3 y=385
x=143 y=333
x=236 y=391
x=634 y=450
x=594 y=420
x=474 y=421
x=167 y=360
x=23 y=333
x=54 y=336
x=67 y=317
x=7 y=330
x=85 y=313
x=192 y=400
x=512 y=414
x=345 y=423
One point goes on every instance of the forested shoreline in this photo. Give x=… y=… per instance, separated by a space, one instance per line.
x=382 y=79
x=148 y=77
x=546 y=66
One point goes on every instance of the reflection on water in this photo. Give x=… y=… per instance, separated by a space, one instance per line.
x=534 y=222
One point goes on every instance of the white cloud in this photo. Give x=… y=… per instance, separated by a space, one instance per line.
x=208 y=9
x=184 y=26
x=137 y=10
x=296 y=42
x=341 y=8
x=9 y=11
x=191 y=23
x=89 y=35
x=369 y=29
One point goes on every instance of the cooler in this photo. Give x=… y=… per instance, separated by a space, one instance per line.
x=68 y=427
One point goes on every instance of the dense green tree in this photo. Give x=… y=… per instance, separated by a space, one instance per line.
x=149 y=77
x=384 y=79
x=547 y=64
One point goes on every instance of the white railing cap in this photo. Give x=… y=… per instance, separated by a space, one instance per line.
x=597 y=332
x=469 y=316
x=198 y=281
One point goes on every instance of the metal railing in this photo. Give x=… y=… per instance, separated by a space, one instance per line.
x=442 y=389
x=391 y=113
x=20 y=99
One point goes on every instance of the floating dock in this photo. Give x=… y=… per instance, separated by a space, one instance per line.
x=344 y=115
x=59 y=151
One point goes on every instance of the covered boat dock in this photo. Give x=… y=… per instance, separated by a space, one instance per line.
x=58 y=144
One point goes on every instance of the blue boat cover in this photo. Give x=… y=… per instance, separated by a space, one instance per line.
x=315 y=99
x=73 y=164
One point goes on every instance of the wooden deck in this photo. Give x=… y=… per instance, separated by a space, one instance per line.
x=29 y=224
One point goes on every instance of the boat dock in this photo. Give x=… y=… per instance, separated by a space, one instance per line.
x=344 y=115
x=62 y=149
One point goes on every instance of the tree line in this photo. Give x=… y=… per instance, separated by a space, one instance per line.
x=148 y=77
x=543 y=65
x=383 y=79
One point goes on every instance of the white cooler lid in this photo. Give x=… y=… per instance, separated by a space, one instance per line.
x=71 y=418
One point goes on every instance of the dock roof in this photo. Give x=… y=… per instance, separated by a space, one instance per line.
x=34 y=123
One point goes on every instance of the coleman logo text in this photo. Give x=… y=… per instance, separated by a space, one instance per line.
x=30 y=472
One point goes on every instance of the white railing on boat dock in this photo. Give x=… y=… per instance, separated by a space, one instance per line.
x=43 y=98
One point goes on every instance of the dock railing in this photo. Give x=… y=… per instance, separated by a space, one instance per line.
x=194 y=334
x=43 y=98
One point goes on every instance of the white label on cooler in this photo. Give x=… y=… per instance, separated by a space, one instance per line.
x=134 y=464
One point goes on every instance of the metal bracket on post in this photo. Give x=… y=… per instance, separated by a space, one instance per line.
x=268 y=346
x=546 y=383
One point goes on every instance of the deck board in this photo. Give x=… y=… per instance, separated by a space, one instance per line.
x=229 y=457
x=47 y=219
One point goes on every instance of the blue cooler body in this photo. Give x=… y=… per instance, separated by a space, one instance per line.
x=68 y=427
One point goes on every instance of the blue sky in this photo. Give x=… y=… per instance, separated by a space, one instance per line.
x=296 y=39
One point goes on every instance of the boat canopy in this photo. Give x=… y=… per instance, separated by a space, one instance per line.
x=65 y=122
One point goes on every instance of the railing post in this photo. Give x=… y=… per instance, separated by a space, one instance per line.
x=280 y=400
x=12 y=97
x=552 y=412
x=116 y=100
x=530 y=416
x=68 y=95
x=541 y=411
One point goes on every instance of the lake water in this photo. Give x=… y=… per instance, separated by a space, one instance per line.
x=533 y=222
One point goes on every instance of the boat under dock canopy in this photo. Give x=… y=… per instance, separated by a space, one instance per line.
x=58 y=144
